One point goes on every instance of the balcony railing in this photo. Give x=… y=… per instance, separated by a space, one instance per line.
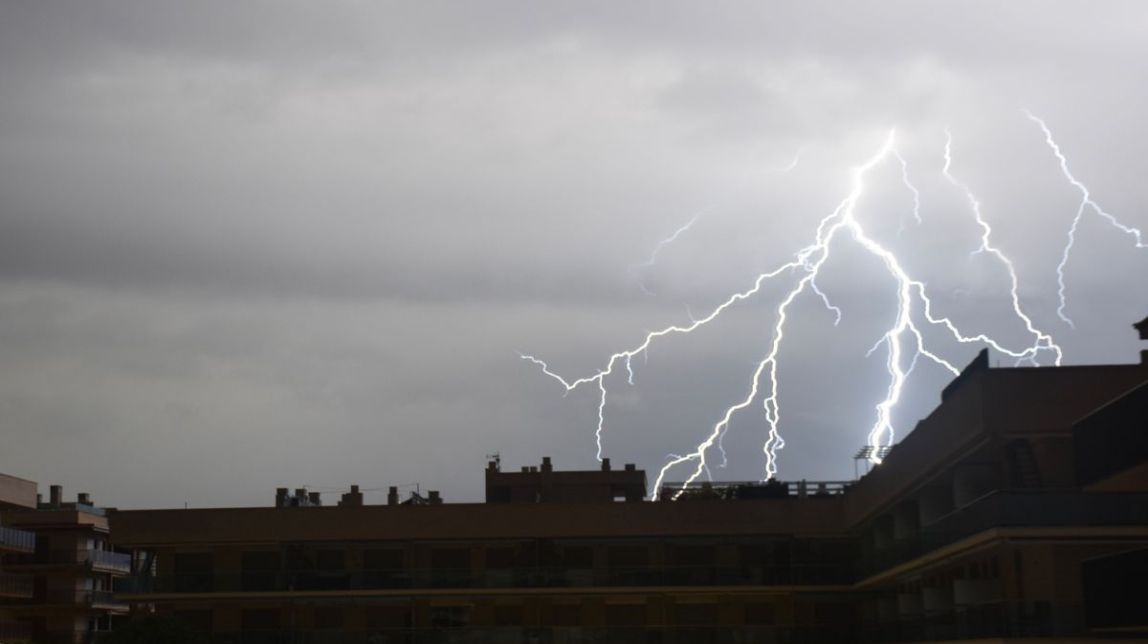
x=753 y=489
x=541 y=635
x=16 y=586
x=103 y=599
x=97 y=560
x=12 y=632
x=278 y=581
x=13 y=540
x=105 y=561
x=1007 y=509
x=1003 y=620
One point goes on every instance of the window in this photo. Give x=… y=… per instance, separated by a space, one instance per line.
x=626 y=614
x=759 y=614
x=328 y=618
x=696 y=614
x=260 y=619
x=567 y=614
x=450 y=616
x=507 y=615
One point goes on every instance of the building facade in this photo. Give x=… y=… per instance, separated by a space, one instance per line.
x=1017 y=509
x=56 y=567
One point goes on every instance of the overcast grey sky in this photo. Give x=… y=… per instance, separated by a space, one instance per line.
x=252 y=244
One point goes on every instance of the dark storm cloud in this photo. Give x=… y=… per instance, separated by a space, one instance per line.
x=281 y=243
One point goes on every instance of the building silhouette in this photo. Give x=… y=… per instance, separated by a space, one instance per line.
x=1017 y=509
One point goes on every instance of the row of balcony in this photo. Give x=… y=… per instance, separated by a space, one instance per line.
x=1005 y=620
x=1009 y=509
x=541 y=635
x=96 y=560
x=259 y=581
x=23 y=588
x=13 y=540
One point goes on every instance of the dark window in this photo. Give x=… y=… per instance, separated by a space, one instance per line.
x=193 y=571
x=626 y=614
x=198 y=621
x=450 y=616
x=328 y=617
x=331 y=560
x=628 y=556
x=567 y=614
x=383 y=617
x=578 y=557
x=695 y=555
x=260 y=619
x=696 y=614
x=500 y=558
x=389 y=559
x=507 y=615
x=260 y=570
x=759 y=614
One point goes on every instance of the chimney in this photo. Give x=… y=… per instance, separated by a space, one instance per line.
x=605 y=465
x=280 y=497
x=525 y=468
x=434 y=498
x=630 y=467
x=393 y=495
x=546 y=465
x=352 y=499
x=83 y=498
x=56 y=495
x=313 y=499
x=1142 y=327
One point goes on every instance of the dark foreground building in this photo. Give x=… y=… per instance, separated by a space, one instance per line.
x=1017 y=509
x=56 y=567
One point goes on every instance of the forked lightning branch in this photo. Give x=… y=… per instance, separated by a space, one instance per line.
x=903 y=344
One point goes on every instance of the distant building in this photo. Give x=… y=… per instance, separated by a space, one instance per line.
x=56 y=567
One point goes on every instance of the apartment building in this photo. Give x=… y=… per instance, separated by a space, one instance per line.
x=1017 y=509
x=56 y=567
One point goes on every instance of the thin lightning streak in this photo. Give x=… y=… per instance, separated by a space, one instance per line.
x=1086 y=201
x=1043 y=341
x=790 y=166
x=912 y=189
x=649 y=263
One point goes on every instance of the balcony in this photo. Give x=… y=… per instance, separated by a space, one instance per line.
x=20 y=541
x=1007 y=509
x=97 y=599
x=113 y=562
x=15 y=587
x=96 y=560
x=542 y=634
x=524 y=577
x=15 y=633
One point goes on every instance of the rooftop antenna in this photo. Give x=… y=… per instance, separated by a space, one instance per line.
x=497 y=458
x=865 y=453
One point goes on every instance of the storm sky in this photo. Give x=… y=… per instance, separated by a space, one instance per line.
x=256 y=244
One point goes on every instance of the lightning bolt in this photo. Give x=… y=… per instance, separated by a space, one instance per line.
x=649 y=263
x=904 y=341
x=1043 y=341
x=1086 y=202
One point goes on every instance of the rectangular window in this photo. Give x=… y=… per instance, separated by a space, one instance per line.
x=450 y=616
x=328 y=618
x=260 y=619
